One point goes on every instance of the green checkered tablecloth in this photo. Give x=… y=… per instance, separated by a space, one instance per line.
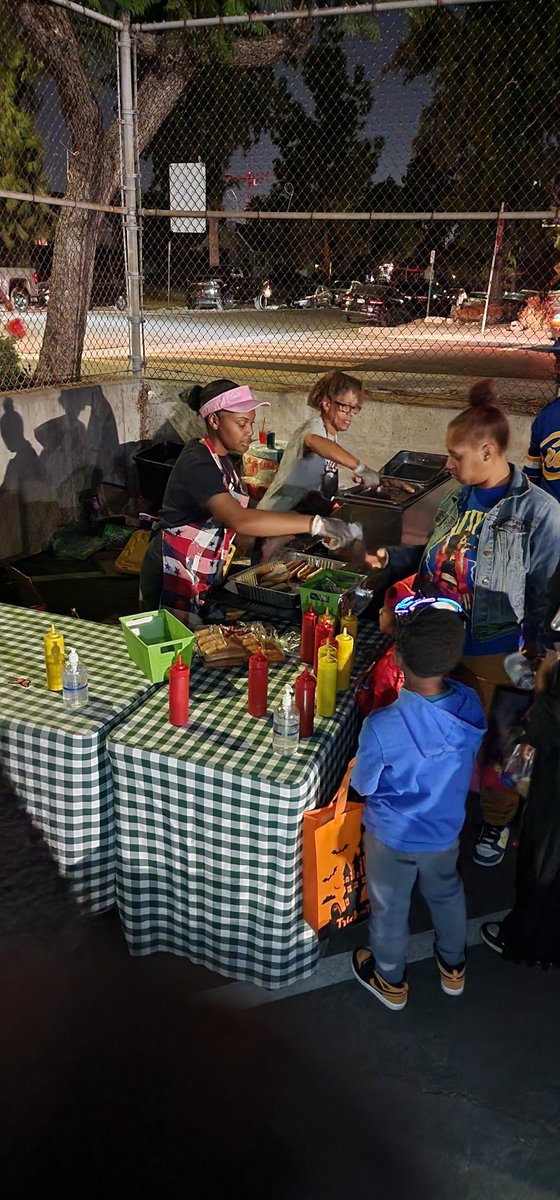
x=209 y=825
x=57 y=760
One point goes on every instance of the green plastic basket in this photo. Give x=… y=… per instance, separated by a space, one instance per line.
x=311 y=592
x=154 y=639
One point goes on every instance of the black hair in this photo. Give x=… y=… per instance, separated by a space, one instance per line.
x=483 y=419
x=199 y=395
x=431 y=642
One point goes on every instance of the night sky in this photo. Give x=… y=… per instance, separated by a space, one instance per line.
x=395 y=113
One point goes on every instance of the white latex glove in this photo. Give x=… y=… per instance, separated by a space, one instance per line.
x=333 y=532
x=378 y=560
x=366 y=475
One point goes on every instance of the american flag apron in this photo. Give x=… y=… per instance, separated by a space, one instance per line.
x=194 y=555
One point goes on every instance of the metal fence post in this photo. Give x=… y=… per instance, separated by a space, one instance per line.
x=130 y=201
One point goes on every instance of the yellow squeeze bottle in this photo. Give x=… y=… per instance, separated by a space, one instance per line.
x=54 y=659
x=345 y=655
x=327 y=672
x=350 y=624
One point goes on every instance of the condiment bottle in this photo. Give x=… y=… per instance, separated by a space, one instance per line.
x=350 y=623
x=307 y=645
x=324 y=629
x=54 y=659
x=179 y=685
x=75 y=692
x=257 y=694
x=285 y=725
x=344 y=655
x=327 y=672
x=305 y=701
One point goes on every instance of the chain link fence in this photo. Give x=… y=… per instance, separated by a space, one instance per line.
x=376 y=190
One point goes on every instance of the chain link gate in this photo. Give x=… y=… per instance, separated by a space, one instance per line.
x=375 y=189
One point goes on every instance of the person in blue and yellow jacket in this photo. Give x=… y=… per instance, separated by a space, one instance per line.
x=542 y=465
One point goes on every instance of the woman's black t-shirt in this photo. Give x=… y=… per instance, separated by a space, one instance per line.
x=195 y=478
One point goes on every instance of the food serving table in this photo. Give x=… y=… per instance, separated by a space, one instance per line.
x=56 y=759
x=208 y=826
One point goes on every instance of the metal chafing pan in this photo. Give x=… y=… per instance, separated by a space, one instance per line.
x=246 y=583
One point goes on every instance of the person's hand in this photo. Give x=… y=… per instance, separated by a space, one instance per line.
x=333 y=532
x=366 y=475
x=378 y=560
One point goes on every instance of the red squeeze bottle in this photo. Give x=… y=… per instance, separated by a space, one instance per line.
x=179 y=677
x=305 y=701
x=324 y=630
x=307 y=644
x=257 y=697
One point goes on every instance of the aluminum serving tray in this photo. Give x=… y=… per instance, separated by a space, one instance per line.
x=246 y=582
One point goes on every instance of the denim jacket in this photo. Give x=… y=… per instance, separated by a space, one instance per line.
x=518 y=553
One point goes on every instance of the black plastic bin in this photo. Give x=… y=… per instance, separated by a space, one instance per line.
x=155 y=464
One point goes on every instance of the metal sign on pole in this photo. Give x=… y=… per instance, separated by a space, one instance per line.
x=497 y=244
x=187 y=191
x=431 y=280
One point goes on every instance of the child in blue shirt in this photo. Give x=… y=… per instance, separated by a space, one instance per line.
x=413 y=767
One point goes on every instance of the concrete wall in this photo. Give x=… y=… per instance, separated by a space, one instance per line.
x=54 y=444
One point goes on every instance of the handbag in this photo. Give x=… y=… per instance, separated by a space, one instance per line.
x=334 y=876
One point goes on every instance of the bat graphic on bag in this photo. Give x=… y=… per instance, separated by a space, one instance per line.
x=331 y=876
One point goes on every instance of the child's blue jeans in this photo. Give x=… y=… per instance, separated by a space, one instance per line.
x=390 y=878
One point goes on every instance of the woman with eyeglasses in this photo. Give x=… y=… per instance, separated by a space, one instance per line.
x=497 y=537
x=307 y=478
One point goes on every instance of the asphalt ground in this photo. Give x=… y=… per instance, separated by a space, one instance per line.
x=127 y=1077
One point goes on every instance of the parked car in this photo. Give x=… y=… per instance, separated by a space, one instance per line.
x=380 y=304
x=19 y=286
x=345 y=291
x=105 y=293
x=386 y=304
x=220 y=292
x=320 y=297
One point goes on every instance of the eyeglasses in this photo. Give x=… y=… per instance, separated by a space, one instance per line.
x=349 y=409
x=409 y=608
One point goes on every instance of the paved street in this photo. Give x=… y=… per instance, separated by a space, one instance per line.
x=281 y=342
x=174 y=1083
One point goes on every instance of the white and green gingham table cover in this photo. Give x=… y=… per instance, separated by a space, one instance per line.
x=57 y=760
x=209 y=826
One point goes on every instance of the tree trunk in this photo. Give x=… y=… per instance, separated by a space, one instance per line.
x=49 y=33
x=69 y=294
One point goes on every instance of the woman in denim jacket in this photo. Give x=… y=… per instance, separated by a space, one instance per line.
x=512 y=551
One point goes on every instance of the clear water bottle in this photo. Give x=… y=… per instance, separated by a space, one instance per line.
x=520 y=671
x=285 y=725
x=74 y=682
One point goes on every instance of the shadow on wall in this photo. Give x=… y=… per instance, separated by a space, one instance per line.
x=79 y=449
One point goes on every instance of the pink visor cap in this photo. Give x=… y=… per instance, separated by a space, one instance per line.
x=237 y=400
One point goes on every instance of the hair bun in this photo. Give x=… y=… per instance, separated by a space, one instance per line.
x=193 y=398
x=482 y=394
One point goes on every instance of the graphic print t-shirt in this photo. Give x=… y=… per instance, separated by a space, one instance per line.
x=450 y=565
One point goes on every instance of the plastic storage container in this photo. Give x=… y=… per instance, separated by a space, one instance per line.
x=155 y=464
x=312 y=593
x=154 y=639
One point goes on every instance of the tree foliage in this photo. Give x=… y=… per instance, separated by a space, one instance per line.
x=325 y=162
x=21 y=154
x=491 y=132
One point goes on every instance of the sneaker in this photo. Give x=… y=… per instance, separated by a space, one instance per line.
x=452 y=979
x=491 y=933
x=491 y=845
x=392 y=995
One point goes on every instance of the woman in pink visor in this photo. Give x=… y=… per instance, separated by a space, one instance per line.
x=205 y=505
